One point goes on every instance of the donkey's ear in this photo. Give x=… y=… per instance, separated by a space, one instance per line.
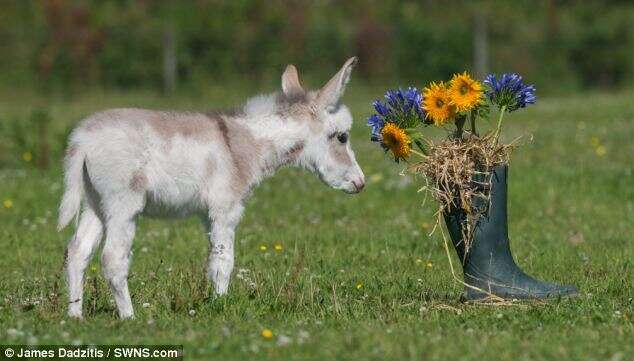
x=290 y=82
x=330 y=93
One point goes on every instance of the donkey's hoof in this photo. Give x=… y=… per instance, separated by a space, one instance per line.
x=126 y=316
x=76 y=315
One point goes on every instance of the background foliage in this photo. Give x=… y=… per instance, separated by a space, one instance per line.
x=560 y=45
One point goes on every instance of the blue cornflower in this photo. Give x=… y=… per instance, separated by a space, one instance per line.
x=414 y=100
x=381 y=108
x=401 y=107
x=394 y=98
x=509 y=91
x=377 y=123
x=402 y=101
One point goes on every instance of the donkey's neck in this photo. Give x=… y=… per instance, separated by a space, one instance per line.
x=260 y=145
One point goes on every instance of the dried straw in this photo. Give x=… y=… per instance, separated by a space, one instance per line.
x=457 y=174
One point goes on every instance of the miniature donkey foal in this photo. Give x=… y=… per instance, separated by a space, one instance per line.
x=126 y=162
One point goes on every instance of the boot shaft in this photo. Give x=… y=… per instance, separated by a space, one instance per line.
x=492 y=224
x=490 y=236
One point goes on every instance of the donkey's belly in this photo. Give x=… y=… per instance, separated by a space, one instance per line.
x=166 y=208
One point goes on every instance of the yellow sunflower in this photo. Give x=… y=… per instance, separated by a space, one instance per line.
x=436 y=102
x=395 y=139
x=465 y=93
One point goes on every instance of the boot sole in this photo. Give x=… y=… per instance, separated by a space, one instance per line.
x=480 y=297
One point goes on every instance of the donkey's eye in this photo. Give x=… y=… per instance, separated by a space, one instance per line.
x=342 y=137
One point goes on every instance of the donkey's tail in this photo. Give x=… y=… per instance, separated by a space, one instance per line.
x=73 y=185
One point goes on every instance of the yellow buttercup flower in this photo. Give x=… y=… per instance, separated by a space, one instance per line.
x=436 y=102
x=376 y=177
x=27 y=156
x=464 y=92
x=263 y=248
x=266 y=333
x=278 y=247
x=395 y=139
x=8 y=204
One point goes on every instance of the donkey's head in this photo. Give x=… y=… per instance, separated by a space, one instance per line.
x=327 y=151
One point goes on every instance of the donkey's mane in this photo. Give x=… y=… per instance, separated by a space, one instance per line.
x=272 y=103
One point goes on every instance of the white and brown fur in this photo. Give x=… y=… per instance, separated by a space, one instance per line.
x=122 y=163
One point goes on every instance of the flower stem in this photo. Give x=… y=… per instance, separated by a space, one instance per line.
x=421 y=147
x=418 y=153
x=497 y=131
x=473 y=126
x=459 y=125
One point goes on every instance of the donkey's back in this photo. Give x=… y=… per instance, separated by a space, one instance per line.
x=164 y=155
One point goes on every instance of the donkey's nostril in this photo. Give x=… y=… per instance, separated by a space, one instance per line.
x=358 y=184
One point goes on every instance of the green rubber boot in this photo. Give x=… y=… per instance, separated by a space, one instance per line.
x=489 y=265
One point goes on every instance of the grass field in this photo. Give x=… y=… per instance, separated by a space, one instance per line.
x=345 y=277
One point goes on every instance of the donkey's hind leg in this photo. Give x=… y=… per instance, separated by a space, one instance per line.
x=78 y=254
x=115 y=258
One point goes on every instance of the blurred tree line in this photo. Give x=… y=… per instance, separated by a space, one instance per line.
x=57 y=45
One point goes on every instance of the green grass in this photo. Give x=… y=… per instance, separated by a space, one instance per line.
x=352 y=280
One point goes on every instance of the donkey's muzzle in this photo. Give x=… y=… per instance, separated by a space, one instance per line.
x=358 y=185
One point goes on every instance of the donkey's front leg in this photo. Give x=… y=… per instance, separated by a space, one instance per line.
x=222 y=226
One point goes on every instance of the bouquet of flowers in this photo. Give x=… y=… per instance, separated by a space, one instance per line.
x=466 y=173
x=456 y=169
